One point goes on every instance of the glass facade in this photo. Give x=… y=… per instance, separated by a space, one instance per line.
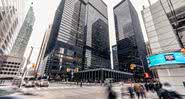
x=24 y=34
x=130 y=43
x=65 y=45
x=79 y=36
x=97 y=51
x=12 y=13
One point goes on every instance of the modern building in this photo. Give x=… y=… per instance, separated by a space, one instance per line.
x=24 y=35
x=12 y=63
x=65 y=46
x=131 y=47
x=96 y=50
x=42 y=66
x=165 y=27
x=11 y=67
x=115 y=57
x=79 y=36
x=11 y=19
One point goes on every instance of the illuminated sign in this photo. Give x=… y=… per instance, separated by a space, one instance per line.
x=166 y=59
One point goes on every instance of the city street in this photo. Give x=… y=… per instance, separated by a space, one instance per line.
x=73 y=92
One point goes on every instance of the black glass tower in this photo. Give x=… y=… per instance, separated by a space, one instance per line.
x=130 y=42
x=79 y=37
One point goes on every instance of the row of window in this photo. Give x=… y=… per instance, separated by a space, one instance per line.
x=10 y=66
x=8 y=73
x=5 y=62
x=6 y=69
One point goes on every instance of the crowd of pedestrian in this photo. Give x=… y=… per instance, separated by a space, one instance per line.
x=164 y=91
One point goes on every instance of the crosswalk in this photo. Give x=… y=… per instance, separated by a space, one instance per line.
x=149 y=95
x=55 y=87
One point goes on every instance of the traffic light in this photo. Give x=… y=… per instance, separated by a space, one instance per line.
x=183 y=50
x=33 y=65
x=146 y=75
x=132 y=66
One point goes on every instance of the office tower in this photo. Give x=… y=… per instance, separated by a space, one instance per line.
x=10 y=67
x=130 y=43
x=97 y=51
x=165 y=27
x=65 y=44
x=115 y=57
x=24 y=34
x=11 y=19
x=41 y=63
x=79 y=36
x=14 y=26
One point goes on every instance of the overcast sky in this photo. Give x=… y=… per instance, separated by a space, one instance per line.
x=45 y=10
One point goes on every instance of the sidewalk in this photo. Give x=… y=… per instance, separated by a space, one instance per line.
x=117 y=89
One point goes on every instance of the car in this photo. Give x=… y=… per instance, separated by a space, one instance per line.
x=29 y=81
x=42 y=82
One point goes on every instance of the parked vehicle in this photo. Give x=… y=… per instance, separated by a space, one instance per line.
x=29 y=81
x=42 y=82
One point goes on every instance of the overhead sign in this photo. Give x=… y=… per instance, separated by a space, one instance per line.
x=166 y=58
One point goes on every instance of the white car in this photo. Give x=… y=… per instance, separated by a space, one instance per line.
x=42 y=83
x=30 y=84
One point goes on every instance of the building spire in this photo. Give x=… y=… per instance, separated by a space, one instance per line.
x=149 y=2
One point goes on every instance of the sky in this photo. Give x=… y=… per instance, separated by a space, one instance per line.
x=44 y=13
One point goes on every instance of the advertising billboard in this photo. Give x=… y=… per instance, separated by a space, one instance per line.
x=166 y=59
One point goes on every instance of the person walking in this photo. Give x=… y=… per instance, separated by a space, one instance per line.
x=81 y=83
x=131 y=92
x=147 y=86
x=111 y=93
x=137 y=89
x=151 y=86
x=143 y=92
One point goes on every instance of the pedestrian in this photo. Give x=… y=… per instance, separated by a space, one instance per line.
x=151 y=86
x=157 y=88
x=167 y=92
x=111 y=93
x=143 y=93
x=137 y=89
x=81 y=83
x=131 y=92
x=147 y=86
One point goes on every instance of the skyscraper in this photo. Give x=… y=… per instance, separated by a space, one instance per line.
x=79 y=36
x=24 y=34
x=65 y=44
x=130 y=43
x=97 y=51
x=11 y=64
x=11 y=19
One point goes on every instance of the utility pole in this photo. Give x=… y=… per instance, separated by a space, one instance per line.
x=149 y=2
x=27 y=61
x=25 y=69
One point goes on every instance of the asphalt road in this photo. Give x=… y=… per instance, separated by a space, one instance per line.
x=56 y=91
